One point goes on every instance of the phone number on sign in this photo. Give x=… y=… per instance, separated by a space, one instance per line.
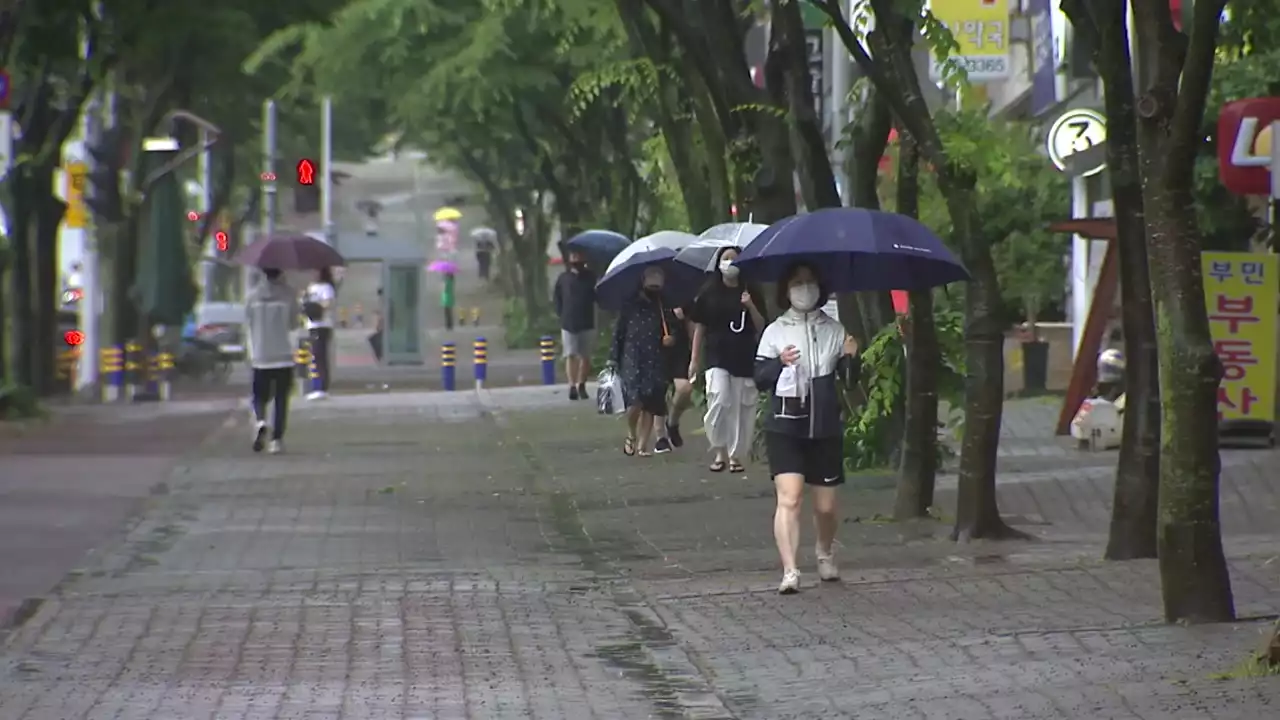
x=983 y=65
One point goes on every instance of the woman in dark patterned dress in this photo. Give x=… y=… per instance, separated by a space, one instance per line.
x=643 y=329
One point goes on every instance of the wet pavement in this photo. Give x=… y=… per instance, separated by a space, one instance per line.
x=493 y=555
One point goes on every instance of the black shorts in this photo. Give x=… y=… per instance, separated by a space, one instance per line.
x=677 y=360
x=652 y=403
x=819 y=460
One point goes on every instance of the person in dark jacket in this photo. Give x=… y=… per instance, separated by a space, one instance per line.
x=801 y=354
x=643 y=333
x=575 y=301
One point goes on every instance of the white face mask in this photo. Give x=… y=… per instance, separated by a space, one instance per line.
x=803 y=297
x=728 y=270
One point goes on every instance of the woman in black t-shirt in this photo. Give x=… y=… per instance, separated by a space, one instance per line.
x=728 y=321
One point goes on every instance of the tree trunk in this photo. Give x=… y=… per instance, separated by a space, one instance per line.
x=920 y=425
x=1136 y=494
x=864 y=314
x=25 y=195
x=49 y=213
x=1196 y=583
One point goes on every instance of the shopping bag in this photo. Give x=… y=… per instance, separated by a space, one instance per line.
x=609 y=399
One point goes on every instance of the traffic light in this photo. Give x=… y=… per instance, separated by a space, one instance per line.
x=102 y=191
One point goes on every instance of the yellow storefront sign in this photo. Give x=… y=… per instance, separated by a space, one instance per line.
x=77 y=216
x=1242 y=293
x=981 y=29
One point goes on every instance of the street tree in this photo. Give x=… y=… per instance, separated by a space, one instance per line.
x=1105 y=27
x=887 y=63
x=1176 y=72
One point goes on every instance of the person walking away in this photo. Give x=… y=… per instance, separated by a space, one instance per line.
x=801 y=354
x=447 y=299
x=484 y=256
x=638 y=341
x=271 y=314
x=318 y=307
x=574 y=298
x=677 y=359
x=727 y=324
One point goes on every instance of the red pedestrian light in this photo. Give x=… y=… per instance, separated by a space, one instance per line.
x=220 y=238
x=306 y=172
x=74 y=338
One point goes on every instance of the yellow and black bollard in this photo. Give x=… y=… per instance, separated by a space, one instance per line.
x=111 y=373
x=547 y=353
x=164 y=375
x=133 y=369
x=448 y=366
x=481 y=360
x=302 y=358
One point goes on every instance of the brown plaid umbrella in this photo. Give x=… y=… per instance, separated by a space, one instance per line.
x=290 y=252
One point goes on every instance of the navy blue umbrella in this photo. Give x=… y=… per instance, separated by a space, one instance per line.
x=600 y=246
x=622 y=280
x=853 y=249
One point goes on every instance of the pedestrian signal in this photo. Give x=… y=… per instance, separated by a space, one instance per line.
x=220 y=238
x=306 y=172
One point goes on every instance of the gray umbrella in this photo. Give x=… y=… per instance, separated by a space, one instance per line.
x=484 y=233
x=702 y=254
x=739 y=233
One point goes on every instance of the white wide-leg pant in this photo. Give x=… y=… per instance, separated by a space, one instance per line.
x=731 y=412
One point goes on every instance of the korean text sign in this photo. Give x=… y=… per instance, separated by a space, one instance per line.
x=1242 y=297
x=981 y=29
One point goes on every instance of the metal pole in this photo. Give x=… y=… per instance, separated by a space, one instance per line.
x=204 y=170
x=326 y=170
x=1079 y=264
x=90 y=283
x=840 y=67
x=269 y=167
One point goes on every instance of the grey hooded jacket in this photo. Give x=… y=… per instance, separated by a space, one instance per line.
x=272 y=315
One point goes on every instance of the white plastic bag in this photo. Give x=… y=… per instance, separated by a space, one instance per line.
x=609 y=398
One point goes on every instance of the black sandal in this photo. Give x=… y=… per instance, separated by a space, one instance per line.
x=717 y=466
x=629 y=447
x=736 y=467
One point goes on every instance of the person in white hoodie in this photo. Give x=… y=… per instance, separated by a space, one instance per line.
x=271 y=314
x=801 y=355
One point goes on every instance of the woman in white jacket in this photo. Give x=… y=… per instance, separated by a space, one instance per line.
x=800 y=357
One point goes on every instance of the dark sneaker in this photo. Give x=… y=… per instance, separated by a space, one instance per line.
x=662 y=446
x=582 y=390
x=573 y=392
x=673 y=432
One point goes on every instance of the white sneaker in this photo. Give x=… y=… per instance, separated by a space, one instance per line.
x=275 y=448
x=827 y=570
x=790 y=583
x=317 y=395
x=259 y=434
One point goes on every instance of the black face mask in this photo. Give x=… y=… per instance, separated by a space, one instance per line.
x=577 y=265
x=653 y=292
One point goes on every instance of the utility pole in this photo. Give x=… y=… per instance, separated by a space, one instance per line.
x=204 y=205
x=326 y=171
x=91 y=295
x=269 y=168
x=838 y=104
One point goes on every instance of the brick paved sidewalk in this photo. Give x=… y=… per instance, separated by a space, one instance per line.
x=448 y=556
x=68 y=485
